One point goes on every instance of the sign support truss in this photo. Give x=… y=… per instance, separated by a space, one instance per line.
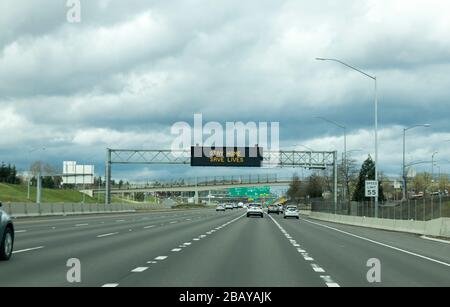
x=271 y=159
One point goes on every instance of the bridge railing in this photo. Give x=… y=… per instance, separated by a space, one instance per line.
x=210 y=181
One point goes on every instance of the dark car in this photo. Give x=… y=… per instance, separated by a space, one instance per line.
x=273 y=209
x=6 y=235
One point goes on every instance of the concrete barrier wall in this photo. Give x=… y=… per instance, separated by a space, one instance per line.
x=437 y=228
x=31 y=210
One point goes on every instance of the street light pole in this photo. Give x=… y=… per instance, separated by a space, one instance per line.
x=404 y=156
x=346 y=192
x=376 y=116
x=29 y=179
x=432 y=170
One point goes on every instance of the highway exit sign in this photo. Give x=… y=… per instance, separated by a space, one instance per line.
x=371 y=188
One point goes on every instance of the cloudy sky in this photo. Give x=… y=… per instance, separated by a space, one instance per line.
x=130 y=69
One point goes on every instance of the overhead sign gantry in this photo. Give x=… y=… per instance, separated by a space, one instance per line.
x=212 y=157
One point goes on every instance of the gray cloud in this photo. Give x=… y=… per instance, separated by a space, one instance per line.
x=131 y=69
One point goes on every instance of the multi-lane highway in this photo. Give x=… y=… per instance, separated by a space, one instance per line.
x=208 y=248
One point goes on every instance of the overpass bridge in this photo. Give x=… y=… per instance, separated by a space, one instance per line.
x=201 y=184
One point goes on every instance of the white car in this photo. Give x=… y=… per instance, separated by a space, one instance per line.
x=220 y=208
x=228 y=207
x=241 y=205
x=291 y=211
x=255 y=209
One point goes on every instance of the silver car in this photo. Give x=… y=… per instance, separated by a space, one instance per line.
x=6 y=235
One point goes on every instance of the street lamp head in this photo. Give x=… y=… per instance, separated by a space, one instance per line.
x=427 y=125
x=321 y=59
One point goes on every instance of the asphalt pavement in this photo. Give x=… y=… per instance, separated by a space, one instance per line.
x=204 y=248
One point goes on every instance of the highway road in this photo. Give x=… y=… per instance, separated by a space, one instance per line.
x=207 y=248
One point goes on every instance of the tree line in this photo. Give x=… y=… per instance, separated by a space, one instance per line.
x=8 y=174
x=315 y=185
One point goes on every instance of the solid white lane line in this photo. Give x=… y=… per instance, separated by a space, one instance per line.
x=20 y=231
x=118 y=221
x=161 y=258
x=139 y=269
x=110 y=285
x=436 y=240
x=147 y=227
x=107 y=234
x=382 y=244
x=28 y=249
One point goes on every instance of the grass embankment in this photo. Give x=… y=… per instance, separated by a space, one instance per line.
x=18 y=194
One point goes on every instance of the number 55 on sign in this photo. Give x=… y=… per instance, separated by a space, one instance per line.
x=371 y=188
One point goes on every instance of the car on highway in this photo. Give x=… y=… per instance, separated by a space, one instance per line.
x=235 y=206
x=273 y=209
x=228 y=207
x=220 y=208
x=241 y=205
x=291 y=211
x=255 y=209
x=280 y=208
x=6 y=235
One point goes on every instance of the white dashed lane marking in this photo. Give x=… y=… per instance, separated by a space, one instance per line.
x=329 y=282
x=147 y=227
x=160 y=258
x=107 y=234
x=139 y=269
x=316 y=268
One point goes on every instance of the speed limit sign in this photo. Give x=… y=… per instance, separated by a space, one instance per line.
x=371 y=188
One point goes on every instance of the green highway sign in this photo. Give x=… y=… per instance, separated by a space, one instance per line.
x=252 y=192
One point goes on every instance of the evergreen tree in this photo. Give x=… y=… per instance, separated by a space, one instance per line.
x=367 y=172
x=315 y=186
